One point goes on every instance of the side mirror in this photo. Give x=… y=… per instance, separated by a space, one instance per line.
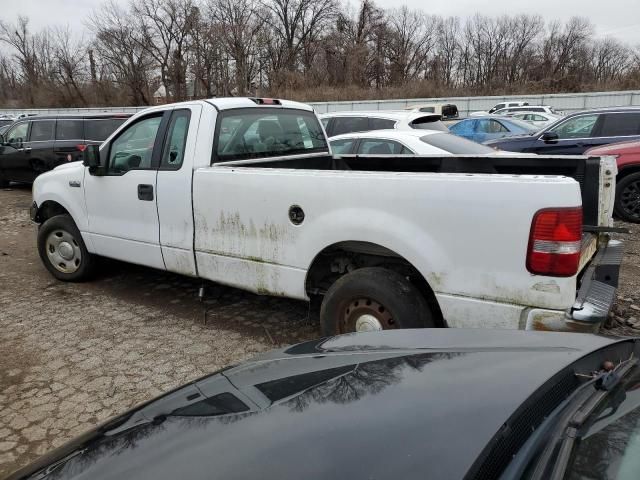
x=91 y=159
x=549 y=137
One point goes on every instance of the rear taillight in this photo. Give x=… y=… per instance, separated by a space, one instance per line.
x=555 y=242
x=81 y=147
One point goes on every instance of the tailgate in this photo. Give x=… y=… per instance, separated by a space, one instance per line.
x=600 y=196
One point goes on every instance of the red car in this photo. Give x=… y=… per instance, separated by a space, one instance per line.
x=627 y=205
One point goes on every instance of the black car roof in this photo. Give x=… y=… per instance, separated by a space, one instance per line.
x=605 y=110
x=400 y=404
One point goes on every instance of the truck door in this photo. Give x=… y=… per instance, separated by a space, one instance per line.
x=122 y=204
x=174 y=190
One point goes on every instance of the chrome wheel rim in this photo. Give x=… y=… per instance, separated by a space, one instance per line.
x=63 y=251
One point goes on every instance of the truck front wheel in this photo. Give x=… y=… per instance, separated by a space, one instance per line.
x=371 y=299
x=62 y=250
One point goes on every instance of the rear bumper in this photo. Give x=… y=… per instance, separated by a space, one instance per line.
x=598 y=285
x=594 y=299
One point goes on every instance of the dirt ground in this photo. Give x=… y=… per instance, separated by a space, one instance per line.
x=73 y=355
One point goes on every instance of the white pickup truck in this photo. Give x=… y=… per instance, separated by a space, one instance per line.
x=245 y=192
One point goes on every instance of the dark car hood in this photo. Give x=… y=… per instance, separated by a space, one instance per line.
x=404 y=404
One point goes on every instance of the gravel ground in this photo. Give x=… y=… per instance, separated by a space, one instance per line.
x=75 y=354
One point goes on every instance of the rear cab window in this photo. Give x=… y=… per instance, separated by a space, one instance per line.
x=267 y=132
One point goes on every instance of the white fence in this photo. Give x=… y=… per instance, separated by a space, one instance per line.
x=566 y=102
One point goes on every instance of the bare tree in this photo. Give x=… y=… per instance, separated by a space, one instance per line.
x=411 y=39
x=165 y=26
x=294 y=23
x=241 y=31
x=120 y=50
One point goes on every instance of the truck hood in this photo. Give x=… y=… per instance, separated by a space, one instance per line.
x=323 y=409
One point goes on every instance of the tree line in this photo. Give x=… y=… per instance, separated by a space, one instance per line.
x=301 y=49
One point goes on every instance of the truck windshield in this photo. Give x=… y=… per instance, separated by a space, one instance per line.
x=268 y=132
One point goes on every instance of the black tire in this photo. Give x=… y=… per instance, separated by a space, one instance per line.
x=4 y=183
x=627 y=204
x=71 y=262
x=384 y=294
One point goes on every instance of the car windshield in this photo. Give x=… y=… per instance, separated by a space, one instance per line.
x=456 y=145
x=268 y=132
x=609 y=446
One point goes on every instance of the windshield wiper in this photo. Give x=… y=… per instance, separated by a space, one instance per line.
x=604 y=384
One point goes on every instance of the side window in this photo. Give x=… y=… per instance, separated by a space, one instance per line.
x=381 y=124
x=132 y=149
x=491 y=126
x=18 y=133
x=176 y=140
x=620 y=124
x=349 y=125
x=343 y=146
x=576 y=127
x=325 y=123
x=42 y=130
x=380 y=147
x=69 y=129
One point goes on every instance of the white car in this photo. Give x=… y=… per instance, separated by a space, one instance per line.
x=539 y=119
x=409 y=142
x=529 y=109
x=497 y=107
x=337 y=123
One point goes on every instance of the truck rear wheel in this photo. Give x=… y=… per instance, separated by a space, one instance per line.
x=627 y=204
x=371 y=299
x=63 y=251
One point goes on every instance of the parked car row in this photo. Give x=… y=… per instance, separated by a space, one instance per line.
x=35 y=144
x=521 y=132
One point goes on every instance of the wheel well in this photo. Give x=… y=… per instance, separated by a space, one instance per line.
x=344 y=257
x=627 y=171
x=49 y=209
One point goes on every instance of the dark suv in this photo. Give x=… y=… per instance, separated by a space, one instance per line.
x=576 y=133
x=34 y=145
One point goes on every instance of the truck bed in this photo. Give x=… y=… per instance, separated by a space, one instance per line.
x=585 y=170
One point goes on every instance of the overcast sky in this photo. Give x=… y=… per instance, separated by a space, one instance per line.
x=617 y=18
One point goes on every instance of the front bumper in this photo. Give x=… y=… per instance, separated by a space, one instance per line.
x=595 y=296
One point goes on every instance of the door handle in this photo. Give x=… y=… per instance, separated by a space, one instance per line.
x=145 y=192
x=27 y=149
